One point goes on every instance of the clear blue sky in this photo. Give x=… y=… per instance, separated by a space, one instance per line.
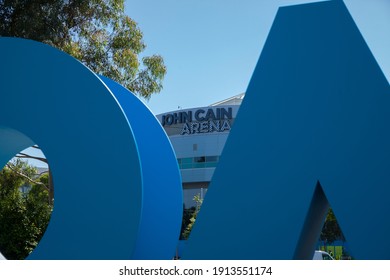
x=211 y=47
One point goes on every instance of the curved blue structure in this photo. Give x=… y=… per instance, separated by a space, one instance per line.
x=162 y=191
x=311 y=133
x=100 y=168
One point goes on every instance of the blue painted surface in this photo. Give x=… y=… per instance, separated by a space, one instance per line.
x=160 y=226
x=313 y=127
x=50 y=99
x=312 y=131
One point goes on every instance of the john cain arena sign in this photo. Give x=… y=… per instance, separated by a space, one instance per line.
x=201 y=120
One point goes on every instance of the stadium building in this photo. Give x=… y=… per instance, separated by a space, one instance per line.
x=198 y=136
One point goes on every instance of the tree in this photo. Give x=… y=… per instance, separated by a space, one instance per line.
x=23 y=216
x=189 y=217
x=331 y=230
x=97 y=32
x=49 y=185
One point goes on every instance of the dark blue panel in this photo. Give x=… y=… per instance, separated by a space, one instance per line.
x=316 y=109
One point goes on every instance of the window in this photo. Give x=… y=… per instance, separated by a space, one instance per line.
x=212 y=159
x=199 y=159
x=198 y=162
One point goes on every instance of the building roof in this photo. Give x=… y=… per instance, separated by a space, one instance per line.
x=234 y=100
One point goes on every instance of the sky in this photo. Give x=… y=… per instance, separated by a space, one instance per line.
x=211 y=47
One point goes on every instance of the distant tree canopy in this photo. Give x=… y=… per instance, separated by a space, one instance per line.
x=96 y=32
x=24 y=216
x=189 y=217
x=331 y=230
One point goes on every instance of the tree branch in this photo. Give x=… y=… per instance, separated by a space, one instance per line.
x=23 y=155
x=43 y=172
x=25 y=176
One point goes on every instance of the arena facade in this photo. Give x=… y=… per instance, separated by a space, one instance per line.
x=198 y=136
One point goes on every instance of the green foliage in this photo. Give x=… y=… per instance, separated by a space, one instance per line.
x=23 y=217
x=187 y=215
x=331 y=230
x=97 y=32
x=192 y=213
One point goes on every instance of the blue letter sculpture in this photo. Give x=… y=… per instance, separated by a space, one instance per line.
x=117 y=183
x=313 y=129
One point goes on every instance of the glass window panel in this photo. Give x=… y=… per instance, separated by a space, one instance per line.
x=199 y=165
x=199 y=159
x=186 y=160
x=211 y=164
x=186 y=166
x=211 y=158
